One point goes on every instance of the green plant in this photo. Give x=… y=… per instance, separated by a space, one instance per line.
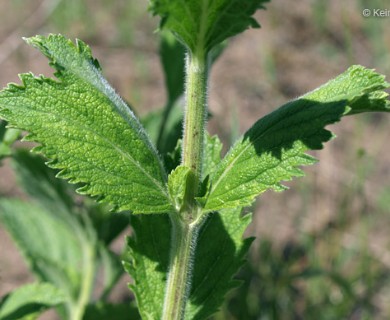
x=65 y=242
x=185 y=206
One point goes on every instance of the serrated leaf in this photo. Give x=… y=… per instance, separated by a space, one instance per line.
x=30 y=299
x=201 y=25
x=273 y=149
x=86 y=129
x=220 y=253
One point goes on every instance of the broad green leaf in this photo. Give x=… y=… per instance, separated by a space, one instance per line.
x=55 y=248
x=220 y=253
x=30 y=299
x=147 y=262
x=202 y=24
x=49 y=245
x=273 y=149
x=86 y=129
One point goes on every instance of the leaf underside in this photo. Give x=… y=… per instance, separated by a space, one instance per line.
x=202 y=24
x=86 y=130
x=274 y=148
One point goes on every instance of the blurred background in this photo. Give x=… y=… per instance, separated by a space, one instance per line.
x=323 y=246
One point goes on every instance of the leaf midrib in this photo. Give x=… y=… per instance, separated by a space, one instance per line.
x=229 y=167
x=120 y=152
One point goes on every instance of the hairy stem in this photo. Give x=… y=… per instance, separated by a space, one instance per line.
x=187 y=223
x=183 y=242
x=195 y=116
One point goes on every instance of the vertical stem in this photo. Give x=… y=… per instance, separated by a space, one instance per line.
x=183 y=241
x=186 y=224
x=195 y=116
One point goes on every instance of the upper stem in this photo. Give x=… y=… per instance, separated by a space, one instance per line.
x=195 y=115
